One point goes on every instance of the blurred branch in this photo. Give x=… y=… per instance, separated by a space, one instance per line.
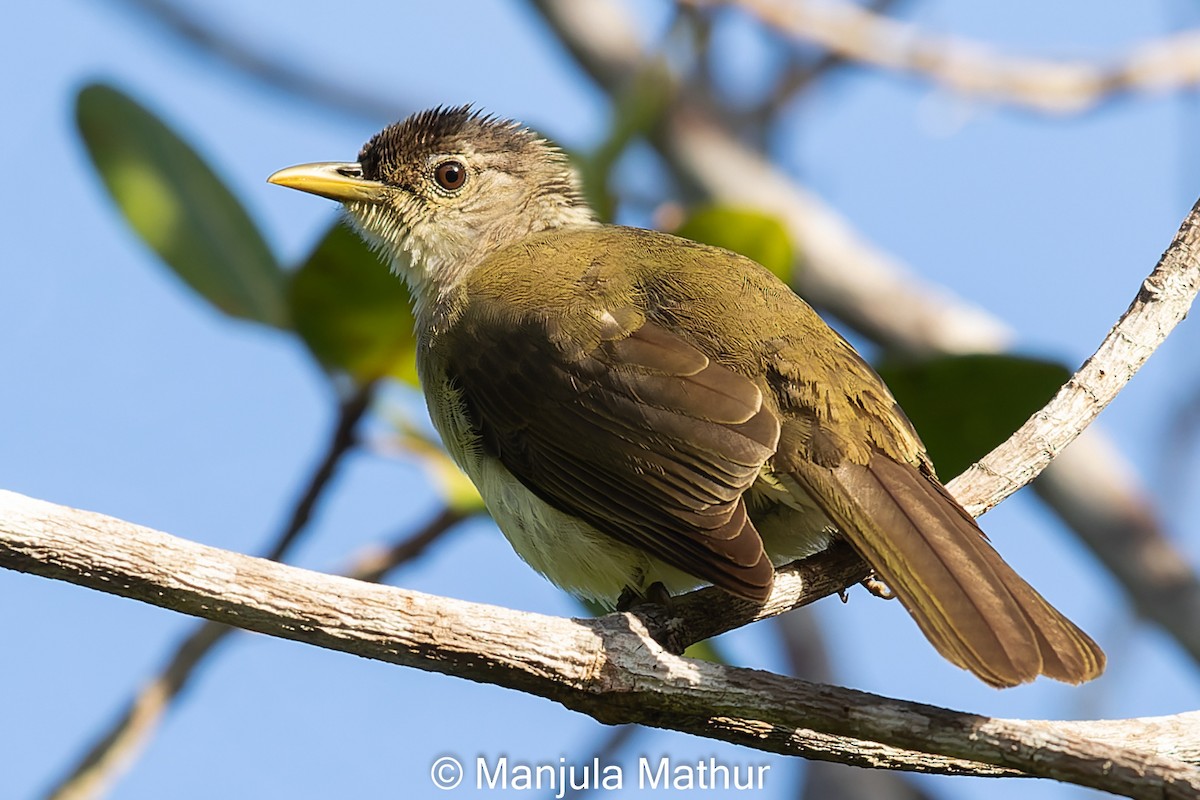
x=841 y=271
x=1161 y=583
x=120 y=744
x=373 y=565
x=350 y=411
x=609 y=668
x=800 y=75
x=1178 y=445
x=599 y=36
x=247 y=58
x=972 y=68
x=804 y=648
x=878 y=296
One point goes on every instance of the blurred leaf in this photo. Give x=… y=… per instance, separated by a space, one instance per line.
x=352 y=312
x=706 y=650
x=963 y=406
x=751 y=233
x=637 y=109
x=180 y=207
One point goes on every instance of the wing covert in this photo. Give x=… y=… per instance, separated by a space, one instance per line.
x=641 y=435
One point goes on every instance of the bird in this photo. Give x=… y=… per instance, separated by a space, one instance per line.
x=642 y=413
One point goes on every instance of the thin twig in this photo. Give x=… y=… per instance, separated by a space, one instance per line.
x=310 y=86
x=799 y=76
x=350 y=412
x=120 y=745
x=972 y=68
x=1163 y=302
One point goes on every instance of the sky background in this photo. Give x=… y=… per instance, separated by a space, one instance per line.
x=122 y=392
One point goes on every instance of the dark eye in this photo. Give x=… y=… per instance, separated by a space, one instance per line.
x=450 y=175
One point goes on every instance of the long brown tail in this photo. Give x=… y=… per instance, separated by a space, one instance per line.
x=971 y=605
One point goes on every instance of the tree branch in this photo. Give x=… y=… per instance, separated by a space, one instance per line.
x=245 y=55
x=972 y=68
x=609 y=668
x=121 y=558
x=117 y=747
x=350 y=411
x=1091 y=488
x=1163 y=302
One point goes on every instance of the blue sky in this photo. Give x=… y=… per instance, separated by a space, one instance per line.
x=127 y=395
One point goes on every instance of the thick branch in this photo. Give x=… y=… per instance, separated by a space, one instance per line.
x=972 y=68
x=609 y=668
x=125 y=737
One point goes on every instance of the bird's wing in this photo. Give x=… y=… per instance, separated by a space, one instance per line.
x=637 y=432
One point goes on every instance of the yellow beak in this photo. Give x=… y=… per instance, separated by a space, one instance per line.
x=341 y=181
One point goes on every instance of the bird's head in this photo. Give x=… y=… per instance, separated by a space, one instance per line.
x=439 y=191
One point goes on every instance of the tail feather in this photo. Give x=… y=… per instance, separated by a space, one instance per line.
x=969 y=603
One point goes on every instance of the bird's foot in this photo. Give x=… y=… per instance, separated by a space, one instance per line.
x=654 y=606
x=654 y=594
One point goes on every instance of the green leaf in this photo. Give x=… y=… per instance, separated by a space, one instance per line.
x=180 y=208
x=963 y=406
x=706 y=650
x=354 y=315
x=751 y=233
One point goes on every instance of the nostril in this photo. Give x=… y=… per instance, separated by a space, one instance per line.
x=350 y=171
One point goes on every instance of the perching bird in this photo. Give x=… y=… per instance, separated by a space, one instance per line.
x=636 y=408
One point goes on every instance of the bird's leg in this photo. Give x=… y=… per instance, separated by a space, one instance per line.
x=654 y=594
x=653 y=606
x=629 y=599
x=657 y=593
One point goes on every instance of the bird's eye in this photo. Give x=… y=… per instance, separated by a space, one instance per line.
x=450 y=175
